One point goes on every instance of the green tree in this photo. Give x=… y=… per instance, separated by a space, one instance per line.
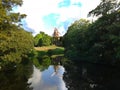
x=36 y=39
x=15 y=43
x=7 y=17
x=42 y=39
x=104 y=33
x=105 y=7
x=74 y=38
x=104 y=39
x=97 y=42
x=45 y=40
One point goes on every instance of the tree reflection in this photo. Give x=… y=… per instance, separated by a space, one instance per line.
x=88 y=76
x=42 y=63
x=16 y=78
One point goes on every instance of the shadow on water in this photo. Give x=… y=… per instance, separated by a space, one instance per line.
x=87 y=76
x=15 y=77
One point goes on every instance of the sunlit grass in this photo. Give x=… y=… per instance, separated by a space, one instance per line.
x=53 y=56
x=46 y=48
x=52 y=51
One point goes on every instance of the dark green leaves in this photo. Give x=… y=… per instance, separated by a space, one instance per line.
x=14 y=45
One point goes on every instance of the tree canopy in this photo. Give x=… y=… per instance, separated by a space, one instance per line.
x=105 y=7
x=42 y=39
x=74 y=38
x=95 y=42
x=15 y=42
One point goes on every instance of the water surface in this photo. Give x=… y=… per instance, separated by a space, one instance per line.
x=49 y=79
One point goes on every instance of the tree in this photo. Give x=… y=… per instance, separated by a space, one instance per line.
x=74 y=38
x=8 y=18
x=42 y=39
x=104 y=36
x=105 y=7
x=36 y=39
x=15 y=43
x=98 y=42
x=104 y=33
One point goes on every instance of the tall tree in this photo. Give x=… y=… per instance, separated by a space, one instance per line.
x=15 y=43
x=74 y=38
x=105 y=7
x=7 y=17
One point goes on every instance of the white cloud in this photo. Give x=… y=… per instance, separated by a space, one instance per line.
x=37 y=9
x=88 y=5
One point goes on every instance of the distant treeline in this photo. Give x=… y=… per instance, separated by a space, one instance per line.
x=43 y=39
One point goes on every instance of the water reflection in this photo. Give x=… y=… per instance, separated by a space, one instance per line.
x=49 y=79
x=87 y=76
x=15 y=78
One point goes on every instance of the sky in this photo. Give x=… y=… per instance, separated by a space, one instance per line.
x=45 y=15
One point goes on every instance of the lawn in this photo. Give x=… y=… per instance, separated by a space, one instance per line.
x=52 y=51
x=46 y=48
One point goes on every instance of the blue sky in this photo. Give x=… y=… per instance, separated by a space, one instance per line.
x=45 y=15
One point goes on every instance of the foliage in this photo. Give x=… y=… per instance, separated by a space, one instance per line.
x=98 y=42
x=15 y=43
x=7 y=17
x=105 y=38
x=74 y=37
x=105 y=7
x=42 y=39
x=36 y=39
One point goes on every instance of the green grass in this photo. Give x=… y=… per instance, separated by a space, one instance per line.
x=46 y=48
x=52 y=51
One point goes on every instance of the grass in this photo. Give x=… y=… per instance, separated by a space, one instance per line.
x=46 y=48
x=52 y=51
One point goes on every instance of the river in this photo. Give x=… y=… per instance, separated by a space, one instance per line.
x=71 y=76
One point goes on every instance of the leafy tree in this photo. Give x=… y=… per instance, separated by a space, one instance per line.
x=36 y=39
x=74 y=37
x=45 y=41
x=104 y=33
x=15 y=43
x=105 y=7
x=42 y=39
x=104 y=36
x=97 y=42
x=7 y=17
